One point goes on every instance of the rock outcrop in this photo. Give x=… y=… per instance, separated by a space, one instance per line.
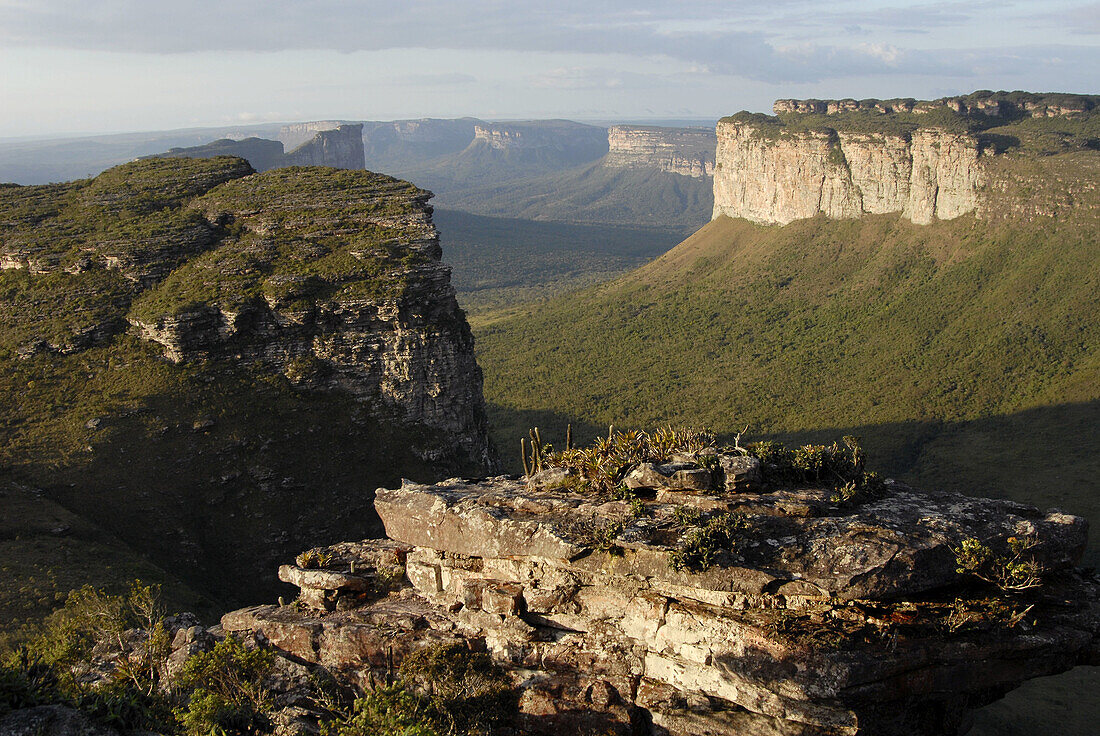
x=686 y=151
x=288 y=341
x=773 y=177
x=925 y=160
x=815 y=615
x=390 y=333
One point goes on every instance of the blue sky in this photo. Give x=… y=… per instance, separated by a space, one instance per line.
x=118 y=65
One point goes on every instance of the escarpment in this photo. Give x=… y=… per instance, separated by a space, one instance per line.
x=259 y=349
x=685 y=151
x=716 y=594
x=923 y=160
x=928 y=175
x=562 y=140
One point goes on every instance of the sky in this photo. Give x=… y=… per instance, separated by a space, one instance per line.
x=69 y=66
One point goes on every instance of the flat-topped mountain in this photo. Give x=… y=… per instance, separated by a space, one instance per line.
x=328 y=144
x=986 y=103
x=925 y=160
x=213 y=363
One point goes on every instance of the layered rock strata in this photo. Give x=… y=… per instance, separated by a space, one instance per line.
x=389 y=329
x=775 y=179
x=991 y=104
x=685 y=151
x=341 y=148
x=822 y=616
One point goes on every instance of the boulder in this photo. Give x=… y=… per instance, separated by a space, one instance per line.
x=675 y=476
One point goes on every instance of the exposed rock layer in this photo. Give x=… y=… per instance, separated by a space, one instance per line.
x=932 y=174
x=686 y=151
x=992 y=104
x=326 y=144
x=823 y=618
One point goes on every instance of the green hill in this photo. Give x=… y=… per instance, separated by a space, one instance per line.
x=966 y=353
x=193 y=358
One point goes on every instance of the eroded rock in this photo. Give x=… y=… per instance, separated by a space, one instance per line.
x=817 y=617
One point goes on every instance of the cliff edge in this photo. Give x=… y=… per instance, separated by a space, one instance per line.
x=924 y=160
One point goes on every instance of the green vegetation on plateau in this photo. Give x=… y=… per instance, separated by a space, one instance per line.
x=966 y=353
x=116 y=463
x=1010 y=128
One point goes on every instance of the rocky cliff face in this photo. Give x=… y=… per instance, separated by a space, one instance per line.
x=685 y=151
x=392 y=333
x=341 y=148
x=777 y=178
x=244 y=356
x=800 y=613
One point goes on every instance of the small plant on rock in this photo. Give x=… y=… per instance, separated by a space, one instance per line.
x=701 y=545
x=314 y=559
x=1015 y=571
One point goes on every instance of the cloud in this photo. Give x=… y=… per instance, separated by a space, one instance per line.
x=577 y=78
x=742 y=38
x=444 y=79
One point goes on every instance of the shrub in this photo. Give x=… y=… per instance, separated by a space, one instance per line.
x=228 y=695
x=391 y=710
x=1014 y=571
x=702 y=543
x=467 y=691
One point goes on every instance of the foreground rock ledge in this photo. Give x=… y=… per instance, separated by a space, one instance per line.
x=823 y=617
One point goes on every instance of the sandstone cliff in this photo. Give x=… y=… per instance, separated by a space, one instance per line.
x=775 y=179
x=685 y=151
x=985 y=103
x=340 y=147
x=295 y=134
x=561 y=139
x=925 y=160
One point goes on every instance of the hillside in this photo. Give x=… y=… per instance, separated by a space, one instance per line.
x=210 y=365
x=965 y=352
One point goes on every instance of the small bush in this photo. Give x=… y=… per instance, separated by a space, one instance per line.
x=1014 y=571
x=467 y=691
x=228 y=696
x=393 y=711
x=702 y=544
